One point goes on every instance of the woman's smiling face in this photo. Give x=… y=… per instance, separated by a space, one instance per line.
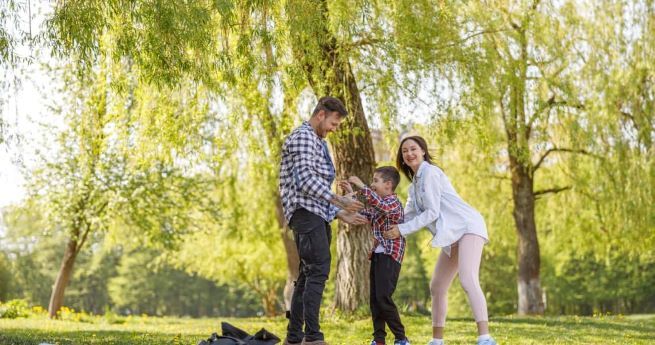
x=413 y=155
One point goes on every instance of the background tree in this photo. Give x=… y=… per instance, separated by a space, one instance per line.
x=97 y=182
x=521 y=84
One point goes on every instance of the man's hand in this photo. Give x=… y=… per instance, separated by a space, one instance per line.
x=346 y=203
x=392 y=233
x=347 y=188
x=352 y=218
x=356 y=181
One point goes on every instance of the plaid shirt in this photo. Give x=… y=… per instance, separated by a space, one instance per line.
x=383 y=214
x=306 y=174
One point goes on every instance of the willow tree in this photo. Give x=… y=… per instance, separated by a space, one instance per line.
x=208 y=42
x=329 y=72
x=102 y=174
x=618 y=81
x=523 y=78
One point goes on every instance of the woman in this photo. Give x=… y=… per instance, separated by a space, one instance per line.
x=457 y=228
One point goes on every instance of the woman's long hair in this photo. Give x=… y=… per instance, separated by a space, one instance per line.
x=400 y=163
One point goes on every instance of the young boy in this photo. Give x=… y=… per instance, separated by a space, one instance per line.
x=383 y=211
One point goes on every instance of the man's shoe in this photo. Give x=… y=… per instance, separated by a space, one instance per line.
x=315 y=342
x=287 y=342
x=489 y=341
x=401 y=342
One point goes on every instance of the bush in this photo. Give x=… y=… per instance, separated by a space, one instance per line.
x=14 y=309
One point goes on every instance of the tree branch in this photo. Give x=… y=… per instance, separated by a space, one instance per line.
x=371 y=40
x=560 y=149
x=550 y=190
x=552 y=103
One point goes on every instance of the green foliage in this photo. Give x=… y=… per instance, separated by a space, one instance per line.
x=14 y=309
x=6 y=277
x=106 y=279
x=586 y=283
x=141 y=286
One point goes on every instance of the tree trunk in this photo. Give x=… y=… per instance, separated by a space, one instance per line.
x=529 y=285
x=354 y=155
x=63 y=277
x=269 y=300
x=293 y=261
x=518 y=140
x=275 y=139
x=329 y=73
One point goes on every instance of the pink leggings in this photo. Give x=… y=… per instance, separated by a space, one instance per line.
x=464 y=259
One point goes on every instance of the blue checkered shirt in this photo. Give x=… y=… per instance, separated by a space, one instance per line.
x=306 y=174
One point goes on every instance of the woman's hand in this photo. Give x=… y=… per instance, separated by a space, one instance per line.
x=392 y=233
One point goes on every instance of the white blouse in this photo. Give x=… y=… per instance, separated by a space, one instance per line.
x=433 y=203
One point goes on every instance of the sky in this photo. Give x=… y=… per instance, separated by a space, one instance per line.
x=23 y=108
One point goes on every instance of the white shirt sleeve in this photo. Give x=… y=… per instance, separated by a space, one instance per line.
x=431 y=204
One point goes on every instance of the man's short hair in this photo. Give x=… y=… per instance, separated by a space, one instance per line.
x=389 y=173
x=330 y=104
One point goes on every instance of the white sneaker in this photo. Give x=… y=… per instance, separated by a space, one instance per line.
x=434 y=342
x=490 y=341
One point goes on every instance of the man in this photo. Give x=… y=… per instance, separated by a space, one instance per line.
x=306 y=174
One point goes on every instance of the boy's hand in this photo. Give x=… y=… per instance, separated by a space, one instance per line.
x=356 y=181
x=347 y=188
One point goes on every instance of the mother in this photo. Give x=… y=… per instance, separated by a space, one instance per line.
x=457 y=228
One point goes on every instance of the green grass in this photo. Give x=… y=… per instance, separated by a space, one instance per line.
x=636 y=329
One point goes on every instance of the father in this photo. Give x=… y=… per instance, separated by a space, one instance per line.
x=306 y=174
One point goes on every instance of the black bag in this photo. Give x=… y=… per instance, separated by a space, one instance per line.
x=234 y=336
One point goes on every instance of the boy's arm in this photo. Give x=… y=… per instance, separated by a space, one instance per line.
x=390 y=206
x=369 y=213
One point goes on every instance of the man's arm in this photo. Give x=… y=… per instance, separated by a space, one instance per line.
x=352 y=218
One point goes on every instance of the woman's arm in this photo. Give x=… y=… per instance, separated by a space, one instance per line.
x=431 y=196
x=410 y=210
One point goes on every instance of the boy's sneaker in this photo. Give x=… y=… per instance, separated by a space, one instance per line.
x=401 y=342
x=373 y=342
x=489 y=341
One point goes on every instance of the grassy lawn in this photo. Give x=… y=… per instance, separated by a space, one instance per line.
x=636 y=329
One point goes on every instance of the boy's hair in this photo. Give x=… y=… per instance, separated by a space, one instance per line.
x=389 y=173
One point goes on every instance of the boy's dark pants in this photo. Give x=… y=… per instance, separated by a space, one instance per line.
x=384 y=277
x=312 y=235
